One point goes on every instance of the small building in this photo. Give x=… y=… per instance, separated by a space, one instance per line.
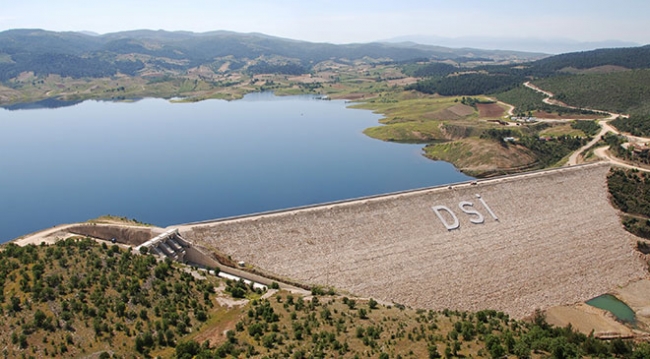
x=639 y=149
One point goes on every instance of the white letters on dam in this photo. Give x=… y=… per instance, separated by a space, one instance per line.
x=466 y=207
x=513 y=244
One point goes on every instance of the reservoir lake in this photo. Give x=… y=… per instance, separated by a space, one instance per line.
x=169 y=163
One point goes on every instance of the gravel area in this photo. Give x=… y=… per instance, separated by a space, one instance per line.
x=557 y=241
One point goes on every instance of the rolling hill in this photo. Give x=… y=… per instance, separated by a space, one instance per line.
x=78 y=55
x=605 y=79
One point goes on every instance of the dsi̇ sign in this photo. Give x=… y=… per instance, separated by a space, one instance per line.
x=466 y=207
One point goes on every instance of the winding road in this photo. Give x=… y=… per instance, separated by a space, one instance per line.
x=600 y=152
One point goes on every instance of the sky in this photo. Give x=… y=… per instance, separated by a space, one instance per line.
x=338 y=21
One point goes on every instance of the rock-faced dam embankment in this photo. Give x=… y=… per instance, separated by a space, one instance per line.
x=529 y=241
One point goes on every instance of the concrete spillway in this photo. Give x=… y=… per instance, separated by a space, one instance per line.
x=169 y=243
x=513 y=244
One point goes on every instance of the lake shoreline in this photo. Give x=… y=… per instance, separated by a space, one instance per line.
x=93 y=158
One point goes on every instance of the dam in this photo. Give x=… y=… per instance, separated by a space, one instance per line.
x=513 y=244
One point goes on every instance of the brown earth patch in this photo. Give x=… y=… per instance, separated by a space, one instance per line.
x=25 y=76
x=350 y=96
x=8 y=94
x=131 y=235
x=637 y=296
x=224 y=67
x=454 y=112
x=461 y=110
x=605 y=69
x=329 y=75
x=586 y=319
x=555 y=116
x=216 y=334
x=307 y=79
x=441 y=115
x=402 y=82
x=490 y=158
x=490 y=110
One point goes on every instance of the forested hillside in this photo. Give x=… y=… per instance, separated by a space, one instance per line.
x=78 y=298
x=619 y=81
x=630 y=191
x=468 y=84
x=637 y=125
x=621 y=92
x=630 y=58
x=77 y=55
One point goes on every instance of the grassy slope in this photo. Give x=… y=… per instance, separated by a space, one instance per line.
x=561 y=129
x=482 y=157
x=412 y=117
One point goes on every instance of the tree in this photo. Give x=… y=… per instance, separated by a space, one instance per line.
x=269 y=340
x=363 y=314
x=201 y=316
x=433 y=351
x=493 y=345
x=187 y=350
x=39 y=318
x=620 y=347
x=15 y=304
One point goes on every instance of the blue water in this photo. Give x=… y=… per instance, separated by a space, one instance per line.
x=169 y=163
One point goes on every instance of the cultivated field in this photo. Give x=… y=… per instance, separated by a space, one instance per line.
x=490 y=110
x=557 y=241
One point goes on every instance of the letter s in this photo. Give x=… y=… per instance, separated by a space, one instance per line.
x=471 y=211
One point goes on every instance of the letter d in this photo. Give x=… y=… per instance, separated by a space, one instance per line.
x=454 y=225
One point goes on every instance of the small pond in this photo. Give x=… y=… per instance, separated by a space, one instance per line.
x=612 y=304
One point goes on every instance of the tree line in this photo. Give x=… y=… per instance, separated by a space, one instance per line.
x=466 y=84
x=637 y=125
x=67 y=66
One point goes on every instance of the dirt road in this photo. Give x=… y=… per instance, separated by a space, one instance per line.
x=602 y=152
x=605 y=128
x=51 y=235
x=48 y=236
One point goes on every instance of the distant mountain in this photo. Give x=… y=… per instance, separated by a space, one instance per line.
x=77 y=54
x=549 y=46
x=630 y=58
x=89 y=33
